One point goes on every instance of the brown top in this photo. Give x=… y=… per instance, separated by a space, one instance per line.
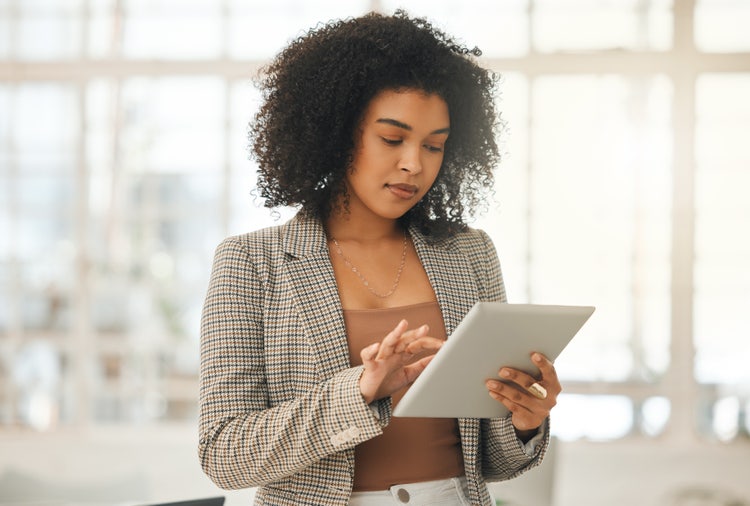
x=410 y=449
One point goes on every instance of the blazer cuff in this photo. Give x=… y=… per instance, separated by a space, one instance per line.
x=382 y=409
x=352 y=422
x=531 y=445
x=532 y=449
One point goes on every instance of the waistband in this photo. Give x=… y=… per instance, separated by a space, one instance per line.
x=450 y=491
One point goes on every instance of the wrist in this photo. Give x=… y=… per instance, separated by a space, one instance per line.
x=525 y=435
x=367 y=396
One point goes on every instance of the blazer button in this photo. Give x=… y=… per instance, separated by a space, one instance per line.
x=353 y=432
x=403 y=495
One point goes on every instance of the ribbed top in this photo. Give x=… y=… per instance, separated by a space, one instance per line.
x=410 y=449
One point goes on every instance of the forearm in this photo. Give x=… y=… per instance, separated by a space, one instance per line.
x=256 y=447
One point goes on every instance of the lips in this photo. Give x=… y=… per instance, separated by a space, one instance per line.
x=402 y=190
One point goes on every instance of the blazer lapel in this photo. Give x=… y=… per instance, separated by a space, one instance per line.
x=308 y=264
x=309 y=267
x=451 y=276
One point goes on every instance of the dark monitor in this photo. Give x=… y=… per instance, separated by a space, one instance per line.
x=209 y=501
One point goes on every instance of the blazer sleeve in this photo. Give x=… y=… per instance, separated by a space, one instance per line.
x=504 y=456
x=245 y=441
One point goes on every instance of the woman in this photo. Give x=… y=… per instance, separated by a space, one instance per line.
x=381 y=130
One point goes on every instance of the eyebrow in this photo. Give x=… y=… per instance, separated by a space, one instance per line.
x=399 y=124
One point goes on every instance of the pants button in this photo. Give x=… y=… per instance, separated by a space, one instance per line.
x=403 y=495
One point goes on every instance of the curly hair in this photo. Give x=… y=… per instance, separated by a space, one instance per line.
x=315 y=93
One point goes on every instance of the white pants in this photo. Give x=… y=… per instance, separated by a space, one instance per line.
x=449 y=492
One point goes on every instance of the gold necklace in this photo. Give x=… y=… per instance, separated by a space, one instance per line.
x=364 y=281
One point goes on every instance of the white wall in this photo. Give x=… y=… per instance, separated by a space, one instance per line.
x=161 y=465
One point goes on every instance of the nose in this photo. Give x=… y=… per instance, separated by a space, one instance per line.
x=410 y=161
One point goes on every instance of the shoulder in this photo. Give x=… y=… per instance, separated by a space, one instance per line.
x=251 y=245
x=295 y=236
x=475 y=244
x=477 y=247
x=252 y=255
x=269 y=247
x=472 y=242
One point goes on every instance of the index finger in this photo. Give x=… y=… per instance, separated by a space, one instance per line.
x=388 y=344
x=410 y=336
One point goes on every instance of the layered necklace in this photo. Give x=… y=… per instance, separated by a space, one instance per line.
x=363 y=279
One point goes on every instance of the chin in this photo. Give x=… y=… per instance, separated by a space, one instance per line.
x=395 y=214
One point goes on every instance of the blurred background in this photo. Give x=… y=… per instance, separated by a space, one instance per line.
x=624 y=183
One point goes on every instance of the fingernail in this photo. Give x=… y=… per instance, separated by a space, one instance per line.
x=504 y=373
x=537 y=357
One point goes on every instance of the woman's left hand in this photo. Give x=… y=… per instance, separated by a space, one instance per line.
x=529 y=399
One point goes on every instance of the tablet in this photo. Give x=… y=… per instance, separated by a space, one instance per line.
x=491 y=335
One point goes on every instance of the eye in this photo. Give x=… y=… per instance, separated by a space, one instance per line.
x=392 y=142
x=433 y=149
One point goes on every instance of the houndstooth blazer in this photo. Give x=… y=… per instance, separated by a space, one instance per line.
x=280 y=406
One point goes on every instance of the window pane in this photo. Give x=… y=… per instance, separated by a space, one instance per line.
x=173 y=124
x=5 y=34
x=506 y=218
x=172 y=28
x=654 y=417
x=7 y=179
x=46 y=6
x=7 y=238
x=48 y=30
x=581 y=25
x=600 y=218
x=48 y=285
x=595 y=417
x=476 y=22
x=37 y=376
x=721 y=25
x=45 y=126
x=722 y=279
x=45 y=194
x=103 y=160
x=41 y=193
x=725 y=418
x=260 y=29
x=246 y=210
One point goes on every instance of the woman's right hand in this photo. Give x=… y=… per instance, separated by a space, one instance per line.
x=387 y=367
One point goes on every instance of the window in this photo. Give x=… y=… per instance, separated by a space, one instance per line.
x=719 y=26
x=722 y=247
x=123 y=148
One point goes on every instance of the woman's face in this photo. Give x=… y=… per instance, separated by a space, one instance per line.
x=398 y=152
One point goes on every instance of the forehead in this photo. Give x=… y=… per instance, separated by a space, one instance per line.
x=415 y=108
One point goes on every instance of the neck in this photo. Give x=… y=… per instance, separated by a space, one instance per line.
x=345 y=227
